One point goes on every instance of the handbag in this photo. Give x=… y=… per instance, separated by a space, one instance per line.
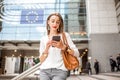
x=70 y=61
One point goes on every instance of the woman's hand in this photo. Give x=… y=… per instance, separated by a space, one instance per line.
x=45 y=53
x=49 y=43
x=58 y=44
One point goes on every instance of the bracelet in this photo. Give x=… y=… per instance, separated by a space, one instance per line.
x=64 y=48
x=45 y=54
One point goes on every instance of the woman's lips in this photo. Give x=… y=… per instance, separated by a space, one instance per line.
x=54 y=27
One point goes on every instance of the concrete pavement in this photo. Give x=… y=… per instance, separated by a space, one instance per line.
x=101 y=76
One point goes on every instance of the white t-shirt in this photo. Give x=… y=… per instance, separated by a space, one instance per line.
x=54 y=59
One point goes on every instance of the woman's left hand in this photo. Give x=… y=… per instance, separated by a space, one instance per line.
x=59 y=44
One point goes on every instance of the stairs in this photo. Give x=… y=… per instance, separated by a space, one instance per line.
x=9 y=77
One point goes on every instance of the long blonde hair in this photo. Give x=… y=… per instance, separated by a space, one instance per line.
x=61 y=26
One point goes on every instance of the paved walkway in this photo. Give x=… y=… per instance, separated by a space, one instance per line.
x=101 y=76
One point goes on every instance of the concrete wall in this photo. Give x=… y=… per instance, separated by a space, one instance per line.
x=118 y=14
x=102 y=16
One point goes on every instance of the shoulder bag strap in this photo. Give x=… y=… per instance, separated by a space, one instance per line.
x=64 y=39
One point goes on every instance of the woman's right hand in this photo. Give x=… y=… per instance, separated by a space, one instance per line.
x=48 y=46
x=45 y=53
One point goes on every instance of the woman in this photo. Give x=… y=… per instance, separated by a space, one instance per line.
x=52 y=67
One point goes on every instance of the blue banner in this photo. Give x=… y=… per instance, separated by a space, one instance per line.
x=32 y=16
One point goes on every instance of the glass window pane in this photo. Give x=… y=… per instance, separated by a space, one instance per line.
x=23 y=30
x=8 y=30
x=73 y=13
x=22 y=36
x=8 y=37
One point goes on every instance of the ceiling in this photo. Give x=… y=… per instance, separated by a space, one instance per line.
x=32 y=45
x=20 y=45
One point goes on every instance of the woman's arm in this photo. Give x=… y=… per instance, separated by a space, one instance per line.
x=72 y=45
x=44 y=47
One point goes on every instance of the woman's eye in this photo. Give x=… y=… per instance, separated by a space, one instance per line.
x=58 y=22
x=52 y=21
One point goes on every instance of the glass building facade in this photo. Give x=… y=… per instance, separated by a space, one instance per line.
x=26 y=20
x=24 y=23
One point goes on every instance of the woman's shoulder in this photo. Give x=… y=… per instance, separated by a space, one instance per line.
x=67 y=34
x=44 y=37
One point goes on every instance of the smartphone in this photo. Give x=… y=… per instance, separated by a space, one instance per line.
x=56 y=38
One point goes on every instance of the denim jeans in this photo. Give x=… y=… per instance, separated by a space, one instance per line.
x=53 y=74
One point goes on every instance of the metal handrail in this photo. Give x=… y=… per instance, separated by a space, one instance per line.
x=27 y=72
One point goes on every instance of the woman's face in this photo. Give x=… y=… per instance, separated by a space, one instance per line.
x=54 y=23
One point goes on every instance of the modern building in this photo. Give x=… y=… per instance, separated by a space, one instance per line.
x=104 y=26
x=94 y=26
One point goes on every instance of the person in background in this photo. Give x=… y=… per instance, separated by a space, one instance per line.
x=118 y=62
x=80 y=70
x=88 y=67
x=112 y=64
x=52 y=66
x=96 y=66
x=80 y=66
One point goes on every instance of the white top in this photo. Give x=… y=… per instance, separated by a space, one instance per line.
x=54 y=59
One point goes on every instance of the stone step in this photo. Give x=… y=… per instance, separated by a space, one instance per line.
x=101 y=76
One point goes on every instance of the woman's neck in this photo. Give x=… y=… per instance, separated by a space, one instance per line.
x=53 y=33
